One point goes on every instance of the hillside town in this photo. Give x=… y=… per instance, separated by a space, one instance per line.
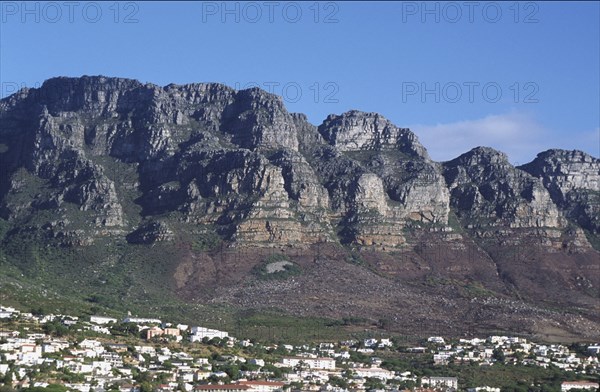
x=135 y=354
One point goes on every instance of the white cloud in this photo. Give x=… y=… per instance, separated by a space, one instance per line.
x=518 y=135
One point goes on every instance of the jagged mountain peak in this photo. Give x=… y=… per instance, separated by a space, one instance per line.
x=557 y=154
x=355 y=113
x=485 y=187
x=573 y=179
x=480 y=156
x=84 y=93
x=362 y=131
x=557 y=162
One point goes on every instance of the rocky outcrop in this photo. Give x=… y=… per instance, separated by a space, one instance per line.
x=486 y=190
x=360 y=131
x=379 y=177
x=190 y=146
x=150 y=232
x=573 y=180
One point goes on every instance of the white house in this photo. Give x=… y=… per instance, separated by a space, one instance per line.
x=90 y=344
x=102 y=320
x=141 y=320
x=102 y=367
x=99 y=329
x=568 y=385
x=434 y=382
x=312 y=363
x=258 y=362
x=370 y=342
x=5 y=314
x=79 y=387
x=497 y=339
x=374 y=372
x=385 y=343
x=3 y=368
x=343 y=355
x=199 y=333
x=145 y=350
x=30 y=358
x=436 y=340
x=442 y=357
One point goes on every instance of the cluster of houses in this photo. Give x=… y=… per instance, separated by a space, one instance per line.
x=98 y=363
x=517 y=351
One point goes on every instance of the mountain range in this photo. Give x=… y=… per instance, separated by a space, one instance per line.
x=225 y=198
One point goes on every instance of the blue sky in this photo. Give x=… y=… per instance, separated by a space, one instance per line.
x=520 y=77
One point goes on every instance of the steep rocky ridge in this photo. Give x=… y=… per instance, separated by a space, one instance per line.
x=573 y=180
x=485 y=187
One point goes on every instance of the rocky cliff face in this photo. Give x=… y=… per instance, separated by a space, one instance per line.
x=572 y=179
x=360 y=131
x=125 y=156
x=105 y=159
x=487 y=190
x=202 y=151
x=214 y=156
